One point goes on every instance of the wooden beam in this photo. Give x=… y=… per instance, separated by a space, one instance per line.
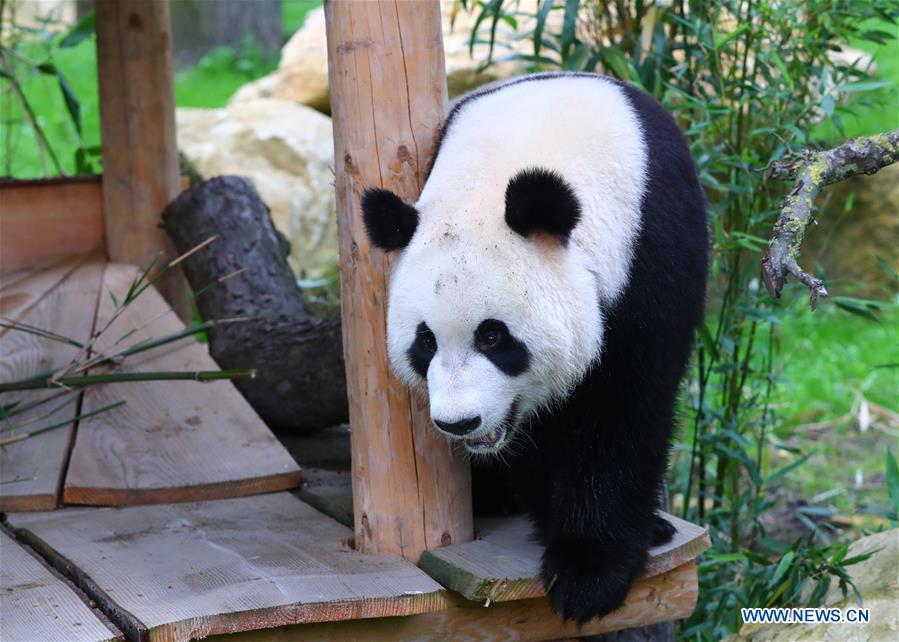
x=670 y=596
x=137 y=124
x=48 y=219
x=388 y=95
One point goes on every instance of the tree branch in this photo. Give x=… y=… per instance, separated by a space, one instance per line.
x=811 y=171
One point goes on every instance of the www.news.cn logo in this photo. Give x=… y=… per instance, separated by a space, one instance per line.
x=806 y=616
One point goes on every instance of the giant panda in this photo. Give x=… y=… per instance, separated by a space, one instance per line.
x=547 y=286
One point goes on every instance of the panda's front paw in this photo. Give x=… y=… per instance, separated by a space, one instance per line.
x=586 y=580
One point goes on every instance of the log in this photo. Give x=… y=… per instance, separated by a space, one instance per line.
x=411 y=491
x=300 y=384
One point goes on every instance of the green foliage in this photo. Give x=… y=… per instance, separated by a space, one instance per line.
x=221 y=72
x=748 y=82
x=47 y=72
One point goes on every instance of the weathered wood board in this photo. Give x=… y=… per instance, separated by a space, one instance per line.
x=503 y=563
x=22 y=289
x=62 y=299
x=173 y=440
x=190 y=570
x=38 y=605
x=670 y=596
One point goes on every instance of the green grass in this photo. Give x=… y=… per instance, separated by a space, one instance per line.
x=832 y=361
x=209 y=83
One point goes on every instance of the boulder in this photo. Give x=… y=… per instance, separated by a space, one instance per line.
x=877 y=579
x=846 y=244
x=302 y=74
x=286 y=150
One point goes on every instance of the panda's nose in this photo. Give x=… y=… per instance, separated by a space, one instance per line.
x=459 y=428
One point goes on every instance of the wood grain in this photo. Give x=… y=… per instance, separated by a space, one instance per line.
x=137 y=125
x=388 y=95
x=38 y=605
x=45 y=220
x=191 y=570
x=62 y=299
x=173 y=440
x=670 y=596
x=504 y=562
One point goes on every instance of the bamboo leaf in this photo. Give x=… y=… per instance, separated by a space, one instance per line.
x=84 y=29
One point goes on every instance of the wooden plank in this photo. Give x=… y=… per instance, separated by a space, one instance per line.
x=27 y=287
x=63 y=300
x=173 y=440
x=665 y=597
x=388 y=95
x=190 y=570
x=137 y=124
x=38 y=605
x=504 y=562
x=49 y=219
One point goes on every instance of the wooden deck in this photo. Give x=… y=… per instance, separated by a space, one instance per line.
x=189 y=570
x=274 y=565
x=37 y=604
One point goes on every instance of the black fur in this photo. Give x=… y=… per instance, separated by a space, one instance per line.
x=389 y=221
x=509 y=354
x=422 y=350
x=591 y=473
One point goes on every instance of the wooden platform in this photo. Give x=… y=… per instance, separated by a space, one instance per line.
x=171 y=441
x=274 y=567
x=38 y=605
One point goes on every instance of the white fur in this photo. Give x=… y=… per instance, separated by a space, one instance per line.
x=464 y=264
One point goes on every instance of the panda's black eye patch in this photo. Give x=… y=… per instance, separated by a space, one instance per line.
x=493 y=339
x=422 y=350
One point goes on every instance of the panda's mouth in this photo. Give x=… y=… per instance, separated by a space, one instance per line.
x=495 y=439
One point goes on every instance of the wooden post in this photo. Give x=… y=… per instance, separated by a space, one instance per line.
x=411 y=491
x=137 y=124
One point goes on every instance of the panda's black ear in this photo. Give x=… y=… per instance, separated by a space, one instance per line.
x=389 y=221
x=540 y=200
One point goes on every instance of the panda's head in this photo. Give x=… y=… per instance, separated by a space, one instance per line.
x=491 y=308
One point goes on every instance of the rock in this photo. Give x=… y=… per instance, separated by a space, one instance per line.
x=260 y=88
x=877 y=579
x=302 y=75
x=286 y=150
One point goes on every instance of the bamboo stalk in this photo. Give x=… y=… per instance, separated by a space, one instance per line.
x=119 y=377
x=59 y=424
